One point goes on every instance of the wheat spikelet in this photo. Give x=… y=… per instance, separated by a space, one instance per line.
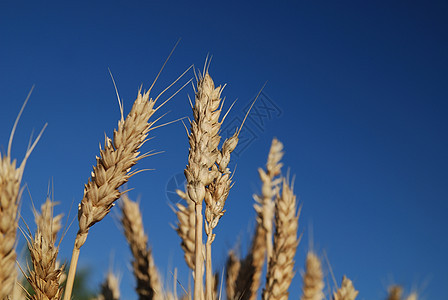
x=145 y=271
x=110 y=288
x=313 y=283
x=281 y=264
x=49 y=224
x=395 y=292
x=47 y=275
x=111 y=171
x=265 y=203
x=346 y=291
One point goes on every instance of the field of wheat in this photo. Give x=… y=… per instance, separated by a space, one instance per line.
x=266 y=270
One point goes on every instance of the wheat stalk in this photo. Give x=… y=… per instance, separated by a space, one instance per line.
x=186 y=229
x=313 y=283
x=145 y=271
x=346 y=291
x=281 y=264
x=203 y=140
x=110 y=288
x=47 y=275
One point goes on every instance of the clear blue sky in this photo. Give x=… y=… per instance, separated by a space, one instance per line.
x=356 y=91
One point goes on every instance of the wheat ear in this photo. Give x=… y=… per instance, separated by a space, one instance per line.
x=145 y=271
x=110 y=288
x=203 y=140
x=346 y=291
x=265 y=202
x=111 y=171
x=313 y=283
x=394 y=292
x=281 y=265
x=10 y=178
x=249 y=279
x=46 y=276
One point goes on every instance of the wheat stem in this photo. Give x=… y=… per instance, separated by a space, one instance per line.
x=198 y=261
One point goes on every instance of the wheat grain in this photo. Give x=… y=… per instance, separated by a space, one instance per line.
x=145 y=271
x=346 y=291
x=281 y=265
x=313 y=283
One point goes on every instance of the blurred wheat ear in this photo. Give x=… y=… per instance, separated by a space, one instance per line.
x=145 y=272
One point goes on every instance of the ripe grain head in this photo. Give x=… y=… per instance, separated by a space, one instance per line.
x=346 y=291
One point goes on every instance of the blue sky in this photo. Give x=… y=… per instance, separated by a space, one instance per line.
x=356 y=91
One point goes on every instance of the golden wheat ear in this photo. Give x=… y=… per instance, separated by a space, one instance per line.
x=346 y=291
x=313 y=283
x=47 y=274
x=281 y=265
x=144 y=269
